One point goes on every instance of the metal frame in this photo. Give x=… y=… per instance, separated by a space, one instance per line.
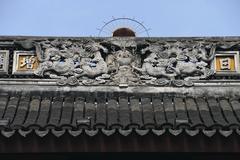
x=227 y=53
x=4 y=70
x=16 y=61
x=140 y=24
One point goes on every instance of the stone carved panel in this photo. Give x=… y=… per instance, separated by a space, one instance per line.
x=124 y=61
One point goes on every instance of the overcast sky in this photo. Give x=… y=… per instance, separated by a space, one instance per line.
x=83 y=17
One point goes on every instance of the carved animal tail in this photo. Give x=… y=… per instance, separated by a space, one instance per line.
x=143 y=51
x=208 y=72
x=212 y=54
x=39 y=52
x=138 y=69
x=105 y=50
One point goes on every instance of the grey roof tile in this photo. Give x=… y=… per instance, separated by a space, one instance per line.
x=11 y=108
x=159 y=113
x=21 y=113
x=101 y=114
x=44 y=111
x=235 y=104
x=216 y=111
x=148 y=114
x=112 y=114
x=169 y=110
x=78 y=110
x=181 y=114
x=228 y=112
x=193 y=112
x=77 y=115
x=33 y=111
x=3 y=104
x=124 y=112
x=204 y=112
x=67 y=110
x=56 y=111
x=136 y=113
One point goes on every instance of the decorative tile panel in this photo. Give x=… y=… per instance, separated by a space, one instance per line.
x=4 y=61
x=226 y=62
x=25 y=62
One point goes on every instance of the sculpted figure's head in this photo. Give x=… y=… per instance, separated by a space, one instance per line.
x=124 y=57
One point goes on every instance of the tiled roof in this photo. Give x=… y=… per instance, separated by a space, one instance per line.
x=159 y=114
x=79 y=86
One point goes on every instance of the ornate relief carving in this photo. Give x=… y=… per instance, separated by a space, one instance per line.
x=172 y=61
x=68 y=62
x=123 y=61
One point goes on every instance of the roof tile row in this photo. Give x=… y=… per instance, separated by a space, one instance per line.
x=37 y=113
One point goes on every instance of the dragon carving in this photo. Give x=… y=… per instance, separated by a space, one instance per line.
x=94 y=62
x=175 y=61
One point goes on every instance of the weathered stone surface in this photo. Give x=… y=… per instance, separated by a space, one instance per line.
x=124 y=61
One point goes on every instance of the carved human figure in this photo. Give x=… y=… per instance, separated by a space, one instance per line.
x=121 y=64
x=172 y=50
